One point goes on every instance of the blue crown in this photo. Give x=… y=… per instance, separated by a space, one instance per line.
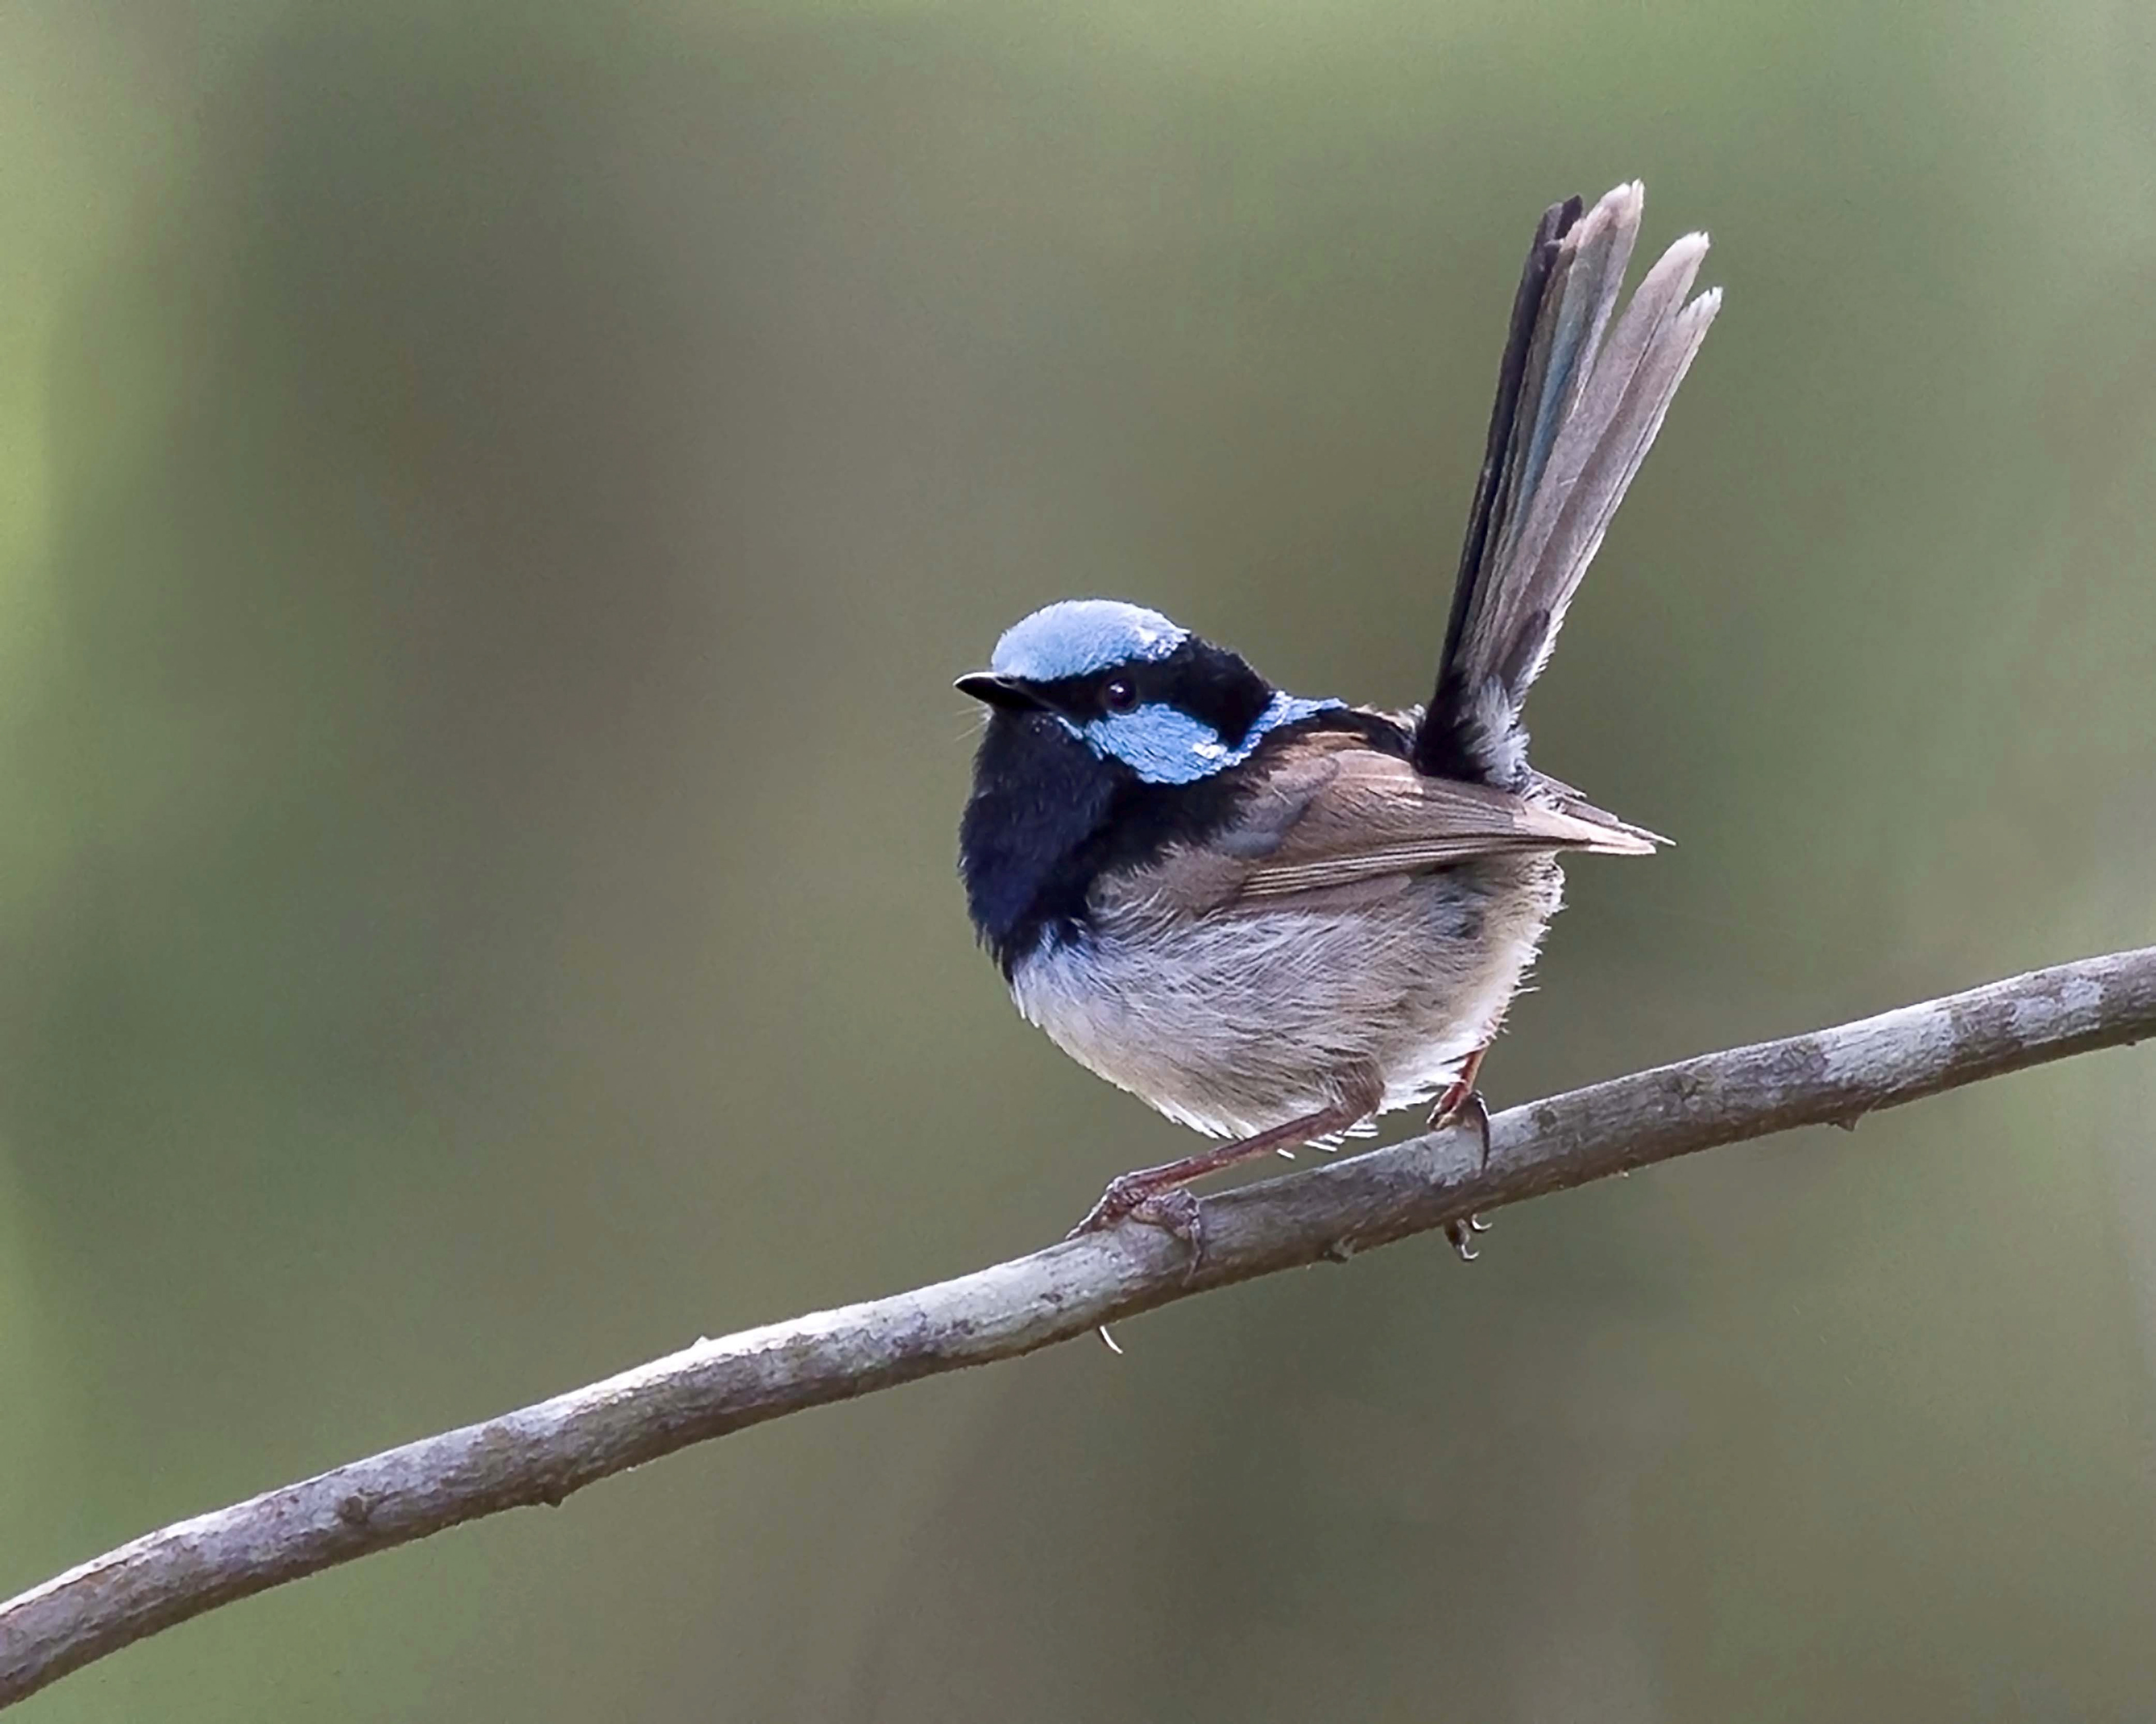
x=1078 y=637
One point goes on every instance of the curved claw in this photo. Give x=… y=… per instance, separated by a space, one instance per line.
x=1463 y=1100
x=1178 y=1210
x=1175 y=1209
x=1124 y=1195
x=1462 y=1233
x=1467 y=1110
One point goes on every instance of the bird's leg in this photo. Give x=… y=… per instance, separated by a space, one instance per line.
x=1464 y=1098
x=1463 y=1101
x=1157 y=1195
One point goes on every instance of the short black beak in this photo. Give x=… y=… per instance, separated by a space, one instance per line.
x=1006 y=693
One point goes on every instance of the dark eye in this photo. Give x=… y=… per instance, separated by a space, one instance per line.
x=1120 y=694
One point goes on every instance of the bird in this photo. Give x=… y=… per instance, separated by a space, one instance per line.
x=1274 y=919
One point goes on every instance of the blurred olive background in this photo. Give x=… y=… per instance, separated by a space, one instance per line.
x=491 y=501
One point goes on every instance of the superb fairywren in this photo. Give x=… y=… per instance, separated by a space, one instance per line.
x=1273 y=918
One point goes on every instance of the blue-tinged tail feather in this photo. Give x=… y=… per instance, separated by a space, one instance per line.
x=1574 y=417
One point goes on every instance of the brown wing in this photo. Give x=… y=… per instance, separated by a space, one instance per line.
x=1336 y=812
x=1561 y=796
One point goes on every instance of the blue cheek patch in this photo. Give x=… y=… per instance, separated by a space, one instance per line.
x=1165 y=745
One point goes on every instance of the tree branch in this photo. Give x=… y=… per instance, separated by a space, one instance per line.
x=540 y=1454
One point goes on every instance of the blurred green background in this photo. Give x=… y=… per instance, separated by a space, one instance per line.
x=491 y=501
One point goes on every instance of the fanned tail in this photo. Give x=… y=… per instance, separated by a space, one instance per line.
x=1575 y=418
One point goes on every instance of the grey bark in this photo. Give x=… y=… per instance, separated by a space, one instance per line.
x=541 y=1453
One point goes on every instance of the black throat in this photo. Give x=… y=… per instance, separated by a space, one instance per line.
x=1048 y=818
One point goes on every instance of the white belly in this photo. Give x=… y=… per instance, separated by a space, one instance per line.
x=1242 y=1020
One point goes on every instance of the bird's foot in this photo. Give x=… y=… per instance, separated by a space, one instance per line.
x=1462 y=1235
x=1464 y=1101
x=1130 y=1196
x=1458 y=1107
x=1160 y=1196
x=1463 y=1105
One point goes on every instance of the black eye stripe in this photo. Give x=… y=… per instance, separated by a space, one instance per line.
x=1215 y=687
x=1087 y=696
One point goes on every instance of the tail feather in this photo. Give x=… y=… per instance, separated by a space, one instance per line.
x=1575 y=418
x=1589 y=272
x=1498 y=475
